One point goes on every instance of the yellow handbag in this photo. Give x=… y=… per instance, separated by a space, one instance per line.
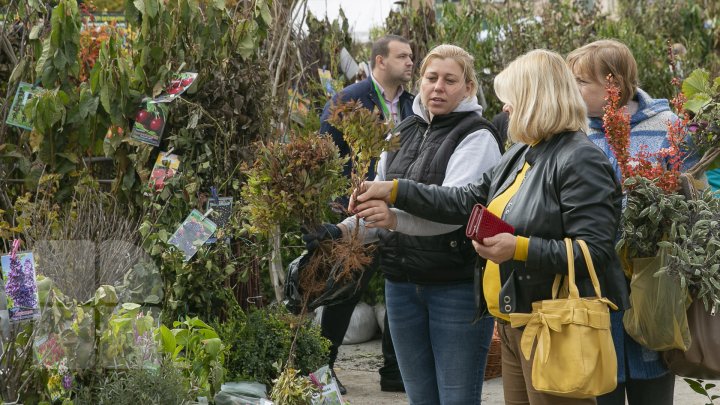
x=574 y=356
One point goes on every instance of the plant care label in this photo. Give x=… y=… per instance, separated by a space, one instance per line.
x=17 y=116
x=221 y=212
x=193 y=233
x=326 y=81
x=178 y=85
x=20 y=286
x=329 y=391
x=150 y=123
x=166 y=165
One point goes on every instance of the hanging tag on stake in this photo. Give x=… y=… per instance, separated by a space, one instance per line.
x=15 y=248
x=214 y=193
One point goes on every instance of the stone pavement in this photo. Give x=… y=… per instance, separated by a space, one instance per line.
x=357 y=367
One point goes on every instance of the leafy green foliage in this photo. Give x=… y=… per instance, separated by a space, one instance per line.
x=648 y=218
x=139 y=385
x=198 y=350
x=60 y=50
x=418 y=25
x=688 y=230
x=292 y=181
x=701 y=388
x=292 y=388
x=262 y=337
x=703 y=99
x=694 y=249
x=366 y=135
x=496 y=35
x=127 y=339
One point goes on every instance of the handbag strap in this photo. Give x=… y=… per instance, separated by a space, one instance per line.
x=574 y=293
x=590 y=267
x=572 y=287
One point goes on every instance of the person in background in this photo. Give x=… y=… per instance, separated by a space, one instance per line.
x=642 y=375
x=552 y=184
x=391 y=69
x=501 y=121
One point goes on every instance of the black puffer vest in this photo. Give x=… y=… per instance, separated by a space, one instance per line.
x=423 y=156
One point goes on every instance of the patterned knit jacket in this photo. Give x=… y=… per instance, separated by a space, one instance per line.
x=648 y=127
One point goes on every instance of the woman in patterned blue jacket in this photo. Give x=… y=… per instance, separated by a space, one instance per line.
x=641 y=372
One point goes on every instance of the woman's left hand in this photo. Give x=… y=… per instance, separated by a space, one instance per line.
x=377 y=214
x=499 y=248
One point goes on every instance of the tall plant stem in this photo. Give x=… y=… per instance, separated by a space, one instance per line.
x=276 y=268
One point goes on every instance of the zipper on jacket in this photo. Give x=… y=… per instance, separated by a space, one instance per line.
x=417 y=153
x=424 y=138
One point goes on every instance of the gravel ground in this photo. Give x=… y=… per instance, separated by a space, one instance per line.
x=357 y=367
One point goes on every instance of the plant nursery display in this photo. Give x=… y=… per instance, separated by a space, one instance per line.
x=158 y=159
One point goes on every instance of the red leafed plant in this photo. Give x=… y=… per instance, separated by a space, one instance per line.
x=663 y=165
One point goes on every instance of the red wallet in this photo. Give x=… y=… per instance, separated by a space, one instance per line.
x=484 y=224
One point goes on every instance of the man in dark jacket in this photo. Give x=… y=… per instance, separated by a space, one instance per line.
x=391 y=63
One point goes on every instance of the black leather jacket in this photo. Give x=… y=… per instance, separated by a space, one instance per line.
x=570 y=190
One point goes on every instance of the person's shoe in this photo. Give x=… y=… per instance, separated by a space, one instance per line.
x=341 y=387
x=391 y=385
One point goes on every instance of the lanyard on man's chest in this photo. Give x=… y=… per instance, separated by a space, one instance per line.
x=383 y=105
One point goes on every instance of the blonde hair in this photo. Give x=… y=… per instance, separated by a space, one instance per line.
x=459 y=55
x=600 y=58
x=544 y=97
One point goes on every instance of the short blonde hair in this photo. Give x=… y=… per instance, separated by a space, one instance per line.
x=544 y=97
x=600 y=58
x=459 y=55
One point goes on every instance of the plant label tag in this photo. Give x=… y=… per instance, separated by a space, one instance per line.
x=221 y=212
x=178 y=85
x=150 y=123
x=166 y=165
x=192 y=233
x=327 y=82
x=20 y=286
x=17 y=116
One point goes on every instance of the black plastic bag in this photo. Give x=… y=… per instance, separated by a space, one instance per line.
x=335 y=292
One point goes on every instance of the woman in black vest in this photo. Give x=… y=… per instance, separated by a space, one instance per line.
x=441 y=347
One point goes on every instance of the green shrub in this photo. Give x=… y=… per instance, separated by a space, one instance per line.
x=135 y=386
x=264 y=336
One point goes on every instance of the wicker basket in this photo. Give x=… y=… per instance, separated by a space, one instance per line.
x=493 y=368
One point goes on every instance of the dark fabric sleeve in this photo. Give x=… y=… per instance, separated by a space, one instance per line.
x=590 y=200
x=449 y=205
x=500 y=121
x=337 y=136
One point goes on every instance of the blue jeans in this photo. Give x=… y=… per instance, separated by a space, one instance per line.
x=441 y=353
